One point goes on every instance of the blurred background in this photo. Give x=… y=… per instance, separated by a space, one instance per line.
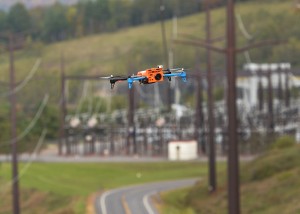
x=58 y=50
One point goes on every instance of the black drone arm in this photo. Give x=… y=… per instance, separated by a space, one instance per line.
x=113 y=80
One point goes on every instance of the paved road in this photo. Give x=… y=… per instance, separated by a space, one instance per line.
x=92 y=159
x=135 y=199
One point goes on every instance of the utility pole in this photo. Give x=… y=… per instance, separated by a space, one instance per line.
x=131 y=126
x=199 y=117
x=13 y=128
x=260 y=93
x=112 y=134
x=210 y=106
x=233 y=162
x=14 y=43
x=163 y=31
x=280 y=94
x=270 y=102
x=63 y=108
x=287 y=89
x=165 y=51
x=62 y=135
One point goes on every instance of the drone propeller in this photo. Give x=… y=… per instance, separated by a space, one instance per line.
x=114 y=79
x=172 y=70
x=177 y=69
x=108 y=77
x=111 y=77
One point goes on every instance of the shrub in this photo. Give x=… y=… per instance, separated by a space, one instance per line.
x=285 y=141
x=274 y=161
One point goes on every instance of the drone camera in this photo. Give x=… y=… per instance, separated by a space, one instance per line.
x=158 y=76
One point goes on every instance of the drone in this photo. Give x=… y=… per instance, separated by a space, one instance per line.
x=149 y=76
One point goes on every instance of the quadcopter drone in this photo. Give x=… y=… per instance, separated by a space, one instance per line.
x=149 y=76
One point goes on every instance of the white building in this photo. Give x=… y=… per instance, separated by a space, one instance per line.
x=182 y=150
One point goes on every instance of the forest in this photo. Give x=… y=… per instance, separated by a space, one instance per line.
x=59 y=22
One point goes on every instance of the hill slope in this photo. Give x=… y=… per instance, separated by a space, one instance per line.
x=141 y=46
x=269 y=184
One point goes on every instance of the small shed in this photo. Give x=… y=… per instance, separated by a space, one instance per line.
x=182 y=150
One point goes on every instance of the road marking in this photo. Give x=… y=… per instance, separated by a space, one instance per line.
x=102 y=202
x=125 y=205
x=146 y=203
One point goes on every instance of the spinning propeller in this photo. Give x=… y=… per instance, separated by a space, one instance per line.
x=113 y=79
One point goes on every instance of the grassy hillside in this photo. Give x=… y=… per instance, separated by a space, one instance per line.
x=270 y=184
x=64 y=188
x=140 y=47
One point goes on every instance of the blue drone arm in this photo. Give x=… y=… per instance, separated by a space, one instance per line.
x=179 y=74
x=131 y=80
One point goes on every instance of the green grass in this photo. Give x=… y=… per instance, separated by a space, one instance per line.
x=175 y=203
x=270 y=184
x=84 y=178
x=66 y=186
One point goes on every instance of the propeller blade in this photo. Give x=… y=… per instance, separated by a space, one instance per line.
x=116 y=78
x=176 y=69
x=133 y=76
x=179 y=70
x=108 y=77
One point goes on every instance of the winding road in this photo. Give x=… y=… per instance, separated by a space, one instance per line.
x=136 y=199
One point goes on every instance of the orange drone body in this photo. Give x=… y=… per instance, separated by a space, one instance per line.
x=152 y=75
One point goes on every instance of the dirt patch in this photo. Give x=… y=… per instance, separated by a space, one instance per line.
x=90 y=203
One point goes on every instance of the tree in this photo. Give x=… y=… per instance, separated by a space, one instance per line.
x=55 y=23
x=102 y=13
x=18 y=18
x=96 y=15
x=120 y=14
x=71 y=16
x=3 y=24
x=37 y=22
